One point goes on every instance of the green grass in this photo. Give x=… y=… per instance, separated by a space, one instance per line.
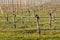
x=28 y=35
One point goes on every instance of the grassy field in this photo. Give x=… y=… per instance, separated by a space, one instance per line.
x=30 y=35
x=23 y=21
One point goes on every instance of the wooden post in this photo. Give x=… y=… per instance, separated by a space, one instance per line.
x=14 y=15
x=37 y=20
x=14 y=22
x=7 y=10
x=50 y=19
